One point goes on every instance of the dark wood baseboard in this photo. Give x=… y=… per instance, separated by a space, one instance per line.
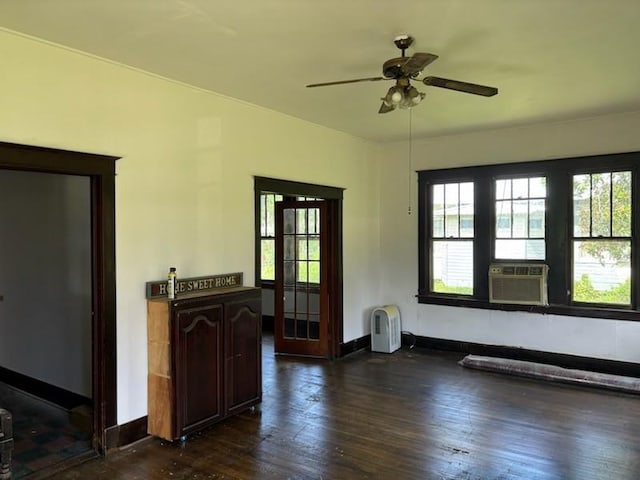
x=600 y=365
x=121 y=435
x=66 y=399
x=355 y=345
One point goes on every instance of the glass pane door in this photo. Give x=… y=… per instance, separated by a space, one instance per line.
x=299 y=279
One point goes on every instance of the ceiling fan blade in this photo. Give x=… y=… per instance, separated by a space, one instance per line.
x=460 y=86
x=417 y=62
x=384 y=108
x=341 y=82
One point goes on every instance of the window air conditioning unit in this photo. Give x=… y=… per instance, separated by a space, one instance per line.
x=519 y=283
x=385 y=329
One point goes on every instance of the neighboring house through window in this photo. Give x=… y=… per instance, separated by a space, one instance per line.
x=520 y=215
x=452 y=238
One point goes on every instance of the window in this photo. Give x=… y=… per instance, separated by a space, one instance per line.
x=520 y=213
x=575 y=215
x=308 y=246
x=268 y=235
x=452 y=238
x=303 y=234
x=601 y=256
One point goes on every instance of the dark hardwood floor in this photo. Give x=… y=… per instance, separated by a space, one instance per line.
x=409 y=415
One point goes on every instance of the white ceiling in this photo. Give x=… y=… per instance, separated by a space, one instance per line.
x=552 y=60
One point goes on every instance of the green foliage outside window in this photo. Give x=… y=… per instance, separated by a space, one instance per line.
x=440 y=287
x=602 y=208
x=267 y=259
x=583 y=291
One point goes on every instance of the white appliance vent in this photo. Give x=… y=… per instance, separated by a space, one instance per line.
x=385 y=329
x=519 y=283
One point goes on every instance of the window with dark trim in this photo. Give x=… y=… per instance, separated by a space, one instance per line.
x=309 y=247
x=575 y=215
x=268 y=234
x=452 y=238
x=269 y=191
x=601 y=238
x=519 y=218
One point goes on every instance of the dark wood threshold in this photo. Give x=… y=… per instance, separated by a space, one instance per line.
x=614 y=367
x=355 y=345
x=64 y=398
x=121 y=435
x=54 y=470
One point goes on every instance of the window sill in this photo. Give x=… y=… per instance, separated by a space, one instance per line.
x=568 y=310
x=267 y=284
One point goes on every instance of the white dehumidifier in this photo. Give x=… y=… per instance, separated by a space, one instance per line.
x=385 y=329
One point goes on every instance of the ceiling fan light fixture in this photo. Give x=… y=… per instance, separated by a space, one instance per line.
x=413 y=96
x=394 y=97
x=403 y=70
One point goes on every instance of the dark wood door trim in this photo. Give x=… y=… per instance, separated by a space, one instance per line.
x=321 y=347
x=334 y=227
x=333 y=196
x=101 y=171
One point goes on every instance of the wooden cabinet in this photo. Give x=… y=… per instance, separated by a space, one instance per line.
x=204 y=359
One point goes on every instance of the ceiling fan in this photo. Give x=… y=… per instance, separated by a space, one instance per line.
x=404 y=69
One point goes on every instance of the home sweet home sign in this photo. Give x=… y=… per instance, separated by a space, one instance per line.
x=158 y=289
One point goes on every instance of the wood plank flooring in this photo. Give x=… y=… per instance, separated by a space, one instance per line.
x=410 y=415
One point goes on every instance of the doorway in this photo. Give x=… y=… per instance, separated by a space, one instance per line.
x=98 y=171
x=301 y=278
x=45 y=315
x=307 y=319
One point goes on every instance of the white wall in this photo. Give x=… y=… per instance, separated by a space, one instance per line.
x=184 y=185
x=45 y=278
x=609 y=339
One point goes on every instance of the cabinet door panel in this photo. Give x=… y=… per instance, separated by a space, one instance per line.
x=198 y=364
x=243 y=354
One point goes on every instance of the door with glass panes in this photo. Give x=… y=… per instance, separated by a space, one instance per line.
x=301 y=294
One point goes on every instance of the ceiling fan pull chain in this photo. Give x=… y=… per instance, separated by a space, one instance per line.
x=409 y=162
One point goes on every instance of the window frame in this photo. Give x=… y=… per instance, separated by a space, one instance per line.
x=289 y=190
x=558 y=231
x=512 y=199
x=264 y=215
x=264 y=235
x=573 y=238
x=444 y=238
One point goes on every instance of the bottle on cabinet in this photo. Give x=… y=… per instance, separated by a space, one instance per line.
x=172 y=284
